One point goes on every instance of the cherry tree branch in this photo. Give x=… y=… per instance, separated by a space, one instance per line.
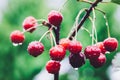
x=93 y=5
x=57 y=29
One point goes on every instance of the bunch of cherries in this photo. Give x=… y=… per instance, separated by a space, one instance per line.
x=95 y=53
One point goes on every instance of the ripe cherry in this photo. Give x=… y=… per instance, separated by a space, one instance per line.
x=17 y=37
x=75 y=47
x=101 y=46
x=57 y=53
x=98 y=62
x=55 y=18
x=53 y=67
x=64 y=42
x=29 y=24
x=35 y=48
x=76 y=60
x=110 y=44
x=92 y=52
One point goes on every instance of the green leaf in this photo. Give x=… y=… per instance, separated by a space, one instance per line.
x=116 y=1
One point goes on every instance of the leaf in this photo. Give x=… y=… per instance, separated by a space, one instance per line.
x=116 y=1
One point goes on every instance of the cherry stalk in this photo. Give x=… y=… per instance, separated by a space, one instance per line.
x=93 y=5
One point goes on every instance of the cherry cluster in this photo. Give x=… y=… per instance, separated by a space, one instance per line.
x=95 y=53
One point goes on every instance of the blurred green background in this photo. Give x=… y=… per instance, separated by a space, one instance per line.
x=17 y=64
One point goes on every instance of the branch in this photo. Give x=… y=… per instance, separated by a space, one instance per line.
x=93 y=5
x=57 y=34
x=56 y=30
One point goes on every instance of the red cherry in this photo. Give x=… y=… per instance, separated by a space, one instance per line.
x=35 y=48
x=98 y=62
x=75 y=47
x=64 y=42
x=55 y=18
x=57 y=53
x=53 y=67
x=76 y=60
x=110 y=44
x=29 y=24
x=92 y=52
x=101 y=46
x=17 y=37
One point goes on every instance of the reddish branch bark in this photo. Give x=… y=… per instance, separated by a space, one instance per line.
x=57 y=30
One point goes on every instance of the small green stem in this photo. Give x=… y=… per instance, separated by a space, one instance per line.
x=94 y=4
x=107 y=25
x=83 y=28
x=108 y=28
x=76 y=23
x=53 y=38
x=94 y=17
x=86 y=1
x=92 y=30
x=44 y=35
x=31 y=28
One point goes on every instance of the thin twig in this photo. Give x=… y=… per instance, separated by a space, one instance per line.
x=84 y=18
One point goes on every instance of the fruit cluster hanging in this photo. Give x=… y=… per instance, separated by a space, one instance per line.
x=95 y=52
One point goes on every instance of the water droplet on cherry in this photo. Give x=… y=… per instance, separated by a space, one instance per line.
x=15 y=44
x=76 y=69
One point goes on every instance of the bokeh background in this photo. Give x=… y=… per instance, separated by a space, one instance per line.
x=17 y=64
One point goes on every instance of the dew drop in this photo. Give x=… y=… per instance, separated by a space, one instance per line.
x=15 y=44
x=20 y=44
x=76 y=69
x=107 y=52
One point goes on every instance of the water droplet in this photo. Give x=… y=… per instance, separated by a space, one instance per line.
x=107 y=52
x=15 y=44
x=76 y=69
x=20 y=44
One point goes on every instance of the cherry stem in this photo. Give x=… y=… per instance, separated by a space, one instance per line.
x=107 y=25
x=53 y=37
x=94 y=27
x=51 y=40
x=106 y=20
x=31 y=28
x=57 y=33
x=92 y=30
x=76 y=22
x=83 y=28
x=93 y=5
x=44 y=35
x=86 y=1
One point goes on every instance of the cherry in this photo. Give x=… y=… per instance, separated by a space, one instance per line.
x=92 y=52
x=30 y=24
x=55 y=18
x=75 y=47
x=17 y=37
x=64 y=42
x=53 y=67
x=101 y=46
x=35 y=48
x=110 y=44
x=57 y=53
x=98 y=62
x=76 y=60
